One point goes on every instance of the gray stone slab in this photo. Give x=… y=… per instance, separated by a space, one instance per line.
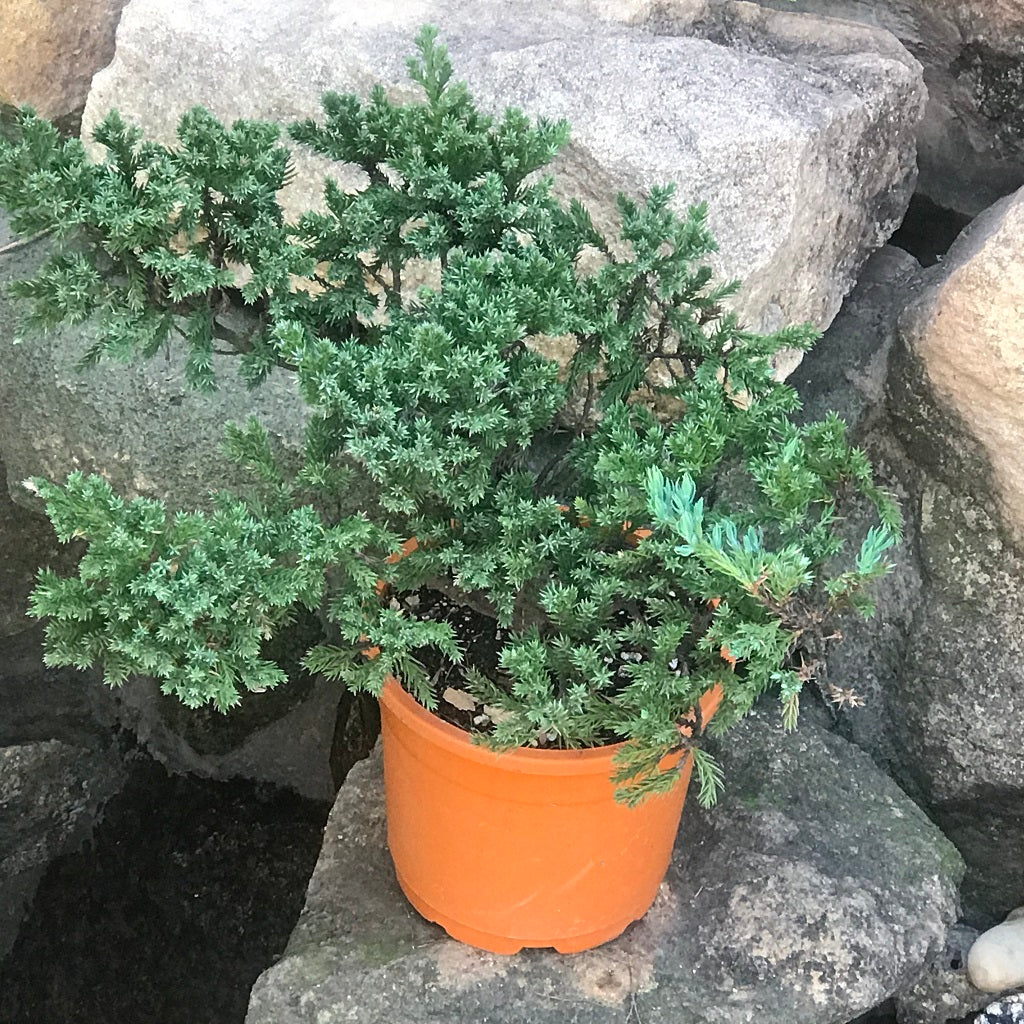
x=814 y=891
x=139 y=426
x=971 y=140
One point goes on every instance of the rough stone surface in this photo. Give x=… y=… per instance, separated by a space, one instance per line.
x=962 y=694
x=286 y=740
x=1003 y=1011
x=49 y=51
x=971 y=141
x=943 y=993
x=822 y=125
x=961 y=691
x=965 y=326
x=813 y=892
x=139 y=426
x=50 y=793
x=40 y=703
x=847 y=372
x=941 y=664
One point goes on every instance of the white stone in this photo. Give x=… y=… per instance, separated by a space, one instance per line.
x=996 y=960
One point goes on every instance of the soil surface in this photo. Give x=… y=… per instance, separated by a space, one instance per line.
x=479 y=636
x=481 y=639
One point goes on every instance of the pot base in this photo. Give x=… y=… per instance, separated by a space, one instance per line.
x=507 y=946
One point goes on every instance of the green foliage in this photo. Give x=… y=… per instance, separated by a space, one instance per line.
x=187 y=598
x=644 y=518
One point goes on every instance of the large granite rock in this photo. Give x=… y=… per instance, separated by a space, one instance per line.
x=50 y=794
x=971 y=141
x=847 y=369
x=822 y=125
x=962 y=694
x=814 y=891
x=938 y=667
x=941 y=665
x=823 y=130
x=49 y=51
x=963 y=331
x=955 y=400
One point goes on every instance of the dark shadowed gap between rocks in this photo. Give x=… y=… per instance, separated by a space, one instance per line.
x=884 y=1014
x=187 y=891
x=928 y=230
x=188 y=888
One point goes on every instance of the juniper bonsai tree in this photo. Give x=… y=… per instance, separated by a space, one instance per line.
x=643 y=518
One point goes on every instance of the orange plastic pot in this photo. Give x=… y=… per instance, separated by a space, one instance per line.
x=520 y=848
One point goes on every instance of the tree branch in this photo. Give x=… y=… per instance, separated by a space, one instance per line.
x=20 y=243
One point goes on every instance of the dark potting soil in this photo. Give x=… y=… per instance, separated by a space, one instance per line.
x=187 y=891
x=481 y=638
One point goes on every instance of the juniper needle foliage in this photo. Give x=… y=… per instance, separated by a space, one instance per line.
x=643 y=517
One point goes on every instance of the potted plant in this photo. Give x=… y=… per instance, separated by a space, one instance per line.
x=575 y=560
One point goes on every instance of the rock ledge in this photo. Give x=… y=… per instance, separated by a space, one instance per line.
x=813 y=892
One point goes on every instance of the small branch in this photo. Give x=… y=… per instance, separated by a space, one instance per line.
x=20 y=243
x=241 y=342
x=374 y=271
x=513 y=348
x=396 y=280
x=588 y=404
